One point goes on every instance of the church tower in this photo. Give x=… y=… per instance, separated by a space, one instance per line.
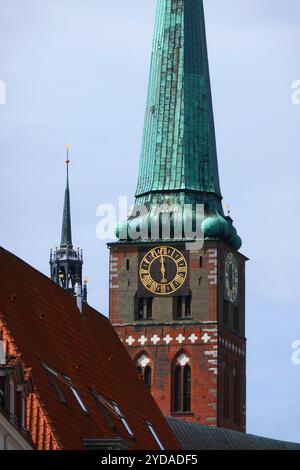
x=66 y=262
x=177 y=301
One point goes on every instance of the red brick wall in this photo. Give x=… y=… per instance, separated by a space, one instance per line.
x=207 y=350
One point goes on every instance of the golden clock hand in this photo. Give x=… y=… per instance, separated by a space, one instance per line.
x=163 y=270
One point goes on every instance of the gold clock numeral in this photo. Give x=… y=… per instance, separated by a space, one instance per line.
x=144 y=271
x=182 y=269
x=179 y=278
x=154 y=286
x=163 y=289
x=147 y=280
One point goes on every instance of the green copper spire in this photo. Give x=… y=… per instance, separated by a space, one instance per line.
x=178 y=162
x=66 y=232
x=179 y=148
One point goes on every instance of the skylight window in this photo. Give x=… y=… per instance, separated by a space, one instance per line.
x=52 y=371
x=67 y=381
x=80 y=402
x=104 y=406
x=153 y=432
x=53 y=375
x=122 y=418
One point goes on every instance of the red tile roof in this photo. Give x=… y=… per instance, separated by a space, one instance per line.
x=44 y=325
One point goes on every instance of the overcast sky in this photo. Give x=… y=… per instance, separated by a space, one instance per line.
x=76 y=72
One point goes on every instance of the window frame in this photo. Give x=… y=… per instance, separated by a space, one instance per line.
x=148 y=376
x=187 y=389
x=12 y=396
x=155 y=435
x=182 y=389
x=52 y=374
x=79 y=399
x=177 y=389
x=104 y=406
x=122 y=418
x=226 y=390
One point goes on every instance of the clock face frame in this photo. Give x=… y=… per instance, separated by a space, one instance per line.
x=163 y=270
x=231 y=278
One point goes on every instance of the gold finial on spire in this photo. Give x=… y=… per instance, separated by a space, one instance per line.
x=227 y=206
x=68 y=147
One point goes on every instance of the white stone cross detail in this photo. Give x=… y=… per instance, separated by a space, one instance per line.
x=168 y=339
x=183 y=360
x=130 y=340
x=180 y=338
x=143 y=360
x=142 y=340
x=206 y=338
x=193 y=338
x=155 y=339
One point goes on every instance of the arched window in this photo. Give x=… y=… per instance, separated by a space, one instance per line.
x=182 y=385
x=226 y=404
x=177 y=389
x=144 y=369
x=147 y=377
x=187 y=389
x=62 y=277
x=236 y=395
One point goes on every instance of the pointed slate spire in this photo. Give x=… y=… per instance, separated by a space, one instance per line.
x=66 y=232
x=66 y=262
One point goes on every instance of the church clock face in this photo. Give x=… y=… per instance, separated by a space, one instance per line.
x=231 y=278
x=163 y=270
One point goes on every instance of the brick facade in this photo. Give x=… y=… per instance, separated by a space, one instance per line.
x=215 y=349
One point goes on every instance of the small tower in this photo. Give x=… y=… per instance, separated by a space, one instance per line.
x=66 y=262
